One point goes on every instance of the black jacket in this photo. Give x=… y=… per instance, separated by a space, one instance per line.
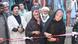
x=32 y=26
x=56 y=28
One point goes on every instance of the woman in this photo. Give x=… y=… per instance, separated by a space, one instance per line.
x=56 y=27
x=16 y=25
x=33 y=27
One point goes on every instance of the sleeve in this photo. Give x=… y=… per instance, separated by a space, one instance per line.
x=62 y=38
x=28 y=31
x=24 y=23
x=28 y=16
x=10 y=25
x=63 y=29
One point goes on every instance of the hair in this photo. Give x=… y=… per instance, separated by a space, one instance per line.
x=1 y=5
x=21 y=3
x=15 y=5
x=58 y=10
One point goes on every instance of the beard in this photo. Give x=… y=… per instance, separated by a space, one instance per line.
x=45 y=15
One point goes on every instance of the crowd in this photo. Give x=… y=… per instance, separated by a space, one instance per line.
x=37 y=23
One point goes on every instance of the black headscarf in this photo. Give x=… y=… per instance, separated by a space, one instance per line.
x=57 y=24
x=32 y=25
x=55 y=14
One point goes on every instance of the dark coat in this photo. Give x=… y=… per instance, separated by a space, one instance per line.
x=56 y=28
x=44 y=26
x=32 y=26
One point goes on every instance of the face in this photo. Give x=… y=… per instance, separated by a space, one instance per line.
x=6 y=8
x=1 y=9
x=45 y=11
x=58 y=15
x=36 y=14
x=21 y=6
x=15 y=10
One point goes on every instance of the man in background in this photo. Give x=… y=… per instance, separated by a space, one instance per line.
x=3 y=27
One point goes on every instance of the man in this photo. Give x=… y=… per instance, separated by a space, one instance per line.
x=44 y=21
x=6 y=9
x=44 y=14
x=22 y=10
x=3 y=27
x=16 y=25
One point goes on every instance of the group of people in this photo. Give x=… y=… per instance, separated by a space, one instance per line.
x=37 y=23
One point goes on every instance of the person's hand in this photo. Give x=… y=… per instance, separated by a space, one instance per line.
x=48 y=35
x=14 y=29
x=2 y=40
x=20 y=30
x=36 y=32
x=52 y=39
